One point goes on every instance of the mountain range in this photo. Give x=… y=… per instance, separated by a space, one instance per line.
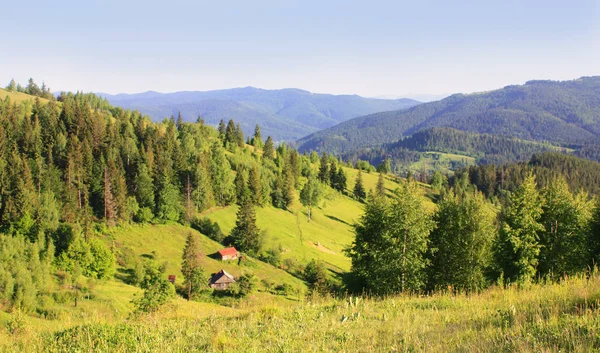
x=565 y=113
x=285 y=114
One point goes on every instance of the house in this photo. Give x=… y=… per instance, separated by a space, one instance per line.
x=221 y=280
x=228 y=254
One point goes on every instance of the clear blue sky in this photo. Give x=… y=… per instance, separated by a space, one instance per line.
x=369 y=48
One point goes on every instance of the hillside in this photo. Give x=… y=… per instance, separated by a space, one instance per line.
x=286 y=114
x=566 y=112
x=540 y=318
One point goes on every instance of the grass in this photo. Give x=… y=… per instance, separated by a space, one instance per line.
x=166 y=242
x=18 y=97
x=541 y=318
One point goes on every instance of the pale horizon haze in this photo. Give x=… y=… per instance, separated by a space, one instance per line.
x=373 y=49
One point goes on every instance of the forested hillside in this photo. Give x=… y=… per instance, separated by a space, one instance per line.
x=566 y=112
x=286 y=114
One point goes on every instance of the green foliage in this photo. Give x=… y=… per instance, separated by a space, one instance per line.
x=561 y=112
x=359 y=190
x=518 y=245
x=245 y=234
x=461 y=242
x=310 y=194
x=315 y=274
x=388 y=254
x=565 y=217
x=193 y=273
x=207 y=227
x=246 y=284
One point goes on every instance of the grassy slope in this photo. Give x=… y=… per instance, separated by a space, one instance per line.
x=541 y=318
x=324 y=237
x=168 y=241
x=18 y=97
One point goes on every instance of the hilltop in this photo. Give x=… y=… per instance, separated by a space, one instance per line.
x=285 y=114
x=565 y=113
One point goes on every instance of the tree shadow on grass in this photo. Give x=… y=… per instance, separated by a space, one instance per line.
x=337 y=219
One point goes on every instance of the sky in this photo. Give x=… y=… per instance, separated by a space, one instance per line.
x=371 y=48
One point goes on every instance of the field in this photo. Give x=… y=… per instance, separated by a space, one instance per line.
x=542 y=318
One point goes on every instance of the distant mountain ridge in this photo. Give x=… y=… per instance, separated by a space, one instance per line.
x=285 y=114
x=565 y=112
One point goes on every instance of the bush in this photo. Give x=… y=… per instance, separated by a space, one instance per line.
x=271 y=256
x=208 y=228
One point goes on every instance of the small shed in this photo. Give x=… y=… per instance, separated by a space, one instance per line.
x=221 y=280
x=228 y=254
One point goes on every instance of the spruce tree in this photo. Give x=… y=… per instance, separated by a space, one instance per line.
x=221 y=176
x=324 y=176
x=254 y=185
x=257 y=138
x=269 y=150
x=191 y=268
x=230 y=134
x=359 y=189
x=518 y=244
x=222 y=129
x=380 y=186
x=245 y=234
x=239 y=136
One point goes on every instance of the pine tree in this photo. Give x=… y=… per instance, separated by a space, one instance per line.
x=269 y=150
x=518 y=244
x=245 y=234
x=168 y=204
x=221 y=176
x=380 y=187
x=222 y=129
x=230 y=134
x=191 y=268
x=254 y=185
x=324 y=169
x=242 y=192
x=12 y=86
x=257 y=138
x=202 y=195
x=359 y=190
x=310 y=194
x=239 y=136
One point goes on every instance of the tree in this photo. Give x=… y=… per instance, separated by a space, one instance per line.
x=380 y=186
x=231 y=134
x=246 y=284
x=563 y=242
x=438 y=181
x=222 y=129
x=316 y=276
x=242 y=192
x=254 y=185
x=388 y=254
x=385 y=167
x=245 y=234
x=461 y=243
x=269 y=150
x=310 y=194
x=168 y=204
x=239 y=135
x=221 y=176
x=191 y=268
x=12 y=86
x=359 y=189
x=257 y=138
x=324 y=169
x=518 y=244
x=594 y=235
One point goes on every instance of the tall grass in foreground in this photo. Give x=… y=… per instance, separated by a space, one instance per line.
x=542 y=318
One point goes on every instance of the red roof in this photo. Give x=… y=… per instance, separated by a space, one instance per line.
x=228 y=251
